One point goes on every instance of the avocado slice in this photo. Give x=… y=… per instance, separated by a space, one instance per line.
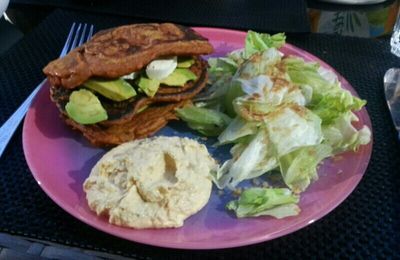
x=179 y=77
x=85 y=108
x=149 y=86
x=185 y=62
x=117 y=90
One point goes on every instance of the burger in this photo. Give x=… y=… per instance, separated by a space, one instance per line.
x=126 y=82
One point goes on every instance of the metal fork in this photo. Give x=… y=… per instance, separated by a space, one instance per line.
x=77 y=35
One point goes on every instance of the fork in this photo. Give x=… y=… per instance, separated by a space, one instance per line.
x=75 y=38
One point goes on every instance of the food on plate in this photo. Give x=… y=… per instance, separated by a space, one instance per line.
x=256 y=201
x=125 y=82
x=151 y=183
x=286 y=115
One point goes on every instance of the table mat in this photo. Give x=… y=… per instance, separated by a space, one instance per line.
x=267 y=15
x=365 y=225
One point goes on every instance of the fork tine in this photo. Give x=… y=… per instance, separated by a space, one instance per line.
x=90 y=32
x=76 y=35
x=74 y=43
x=82 y=35
x=68 y=42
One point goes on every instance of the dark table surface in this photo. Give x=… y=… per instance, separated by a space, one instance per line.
x=267 y=15
x=365 y=225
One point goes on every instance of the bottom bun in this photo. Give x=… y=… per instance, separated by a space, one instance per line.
x=141 y=125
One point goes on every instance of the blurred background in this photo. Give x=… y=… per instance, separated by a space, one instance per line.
x=359 y=18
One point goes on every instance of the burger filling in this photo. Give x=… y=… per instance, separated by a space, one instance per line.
x=98 y=100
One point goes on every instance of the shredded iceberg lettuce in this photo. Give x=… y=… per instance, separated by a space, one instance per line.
x=264 y=96
x=288 y=116
x=206 y=121
x=342 y=136
x=328 y=100
x=256 y=158
x=334 y=102
x=236 y=130
x=257 y=42
x=276 y=202
x=299 y=167
x=293 y=126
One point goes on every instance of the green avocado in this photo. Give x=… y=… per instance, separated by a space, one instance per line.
x=85 y=108
x=117 y=90
x=148 y=86
x=184 y=62
x=179 y=77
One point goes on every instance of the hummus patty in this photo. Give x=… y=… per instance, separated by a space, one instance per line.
x=151 y=183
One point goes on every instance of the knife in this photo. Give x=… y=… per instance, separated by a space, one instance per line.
x=391 y=82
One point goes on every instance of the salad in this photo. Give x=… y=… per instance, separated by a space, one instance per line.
x=282 y=116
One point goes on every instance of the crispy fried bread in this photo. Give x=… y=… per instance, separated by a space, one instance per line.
x=141 y=125
x=119 y=51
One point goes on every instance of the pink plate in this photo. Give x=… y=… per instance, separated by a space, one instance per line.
x=60 y=160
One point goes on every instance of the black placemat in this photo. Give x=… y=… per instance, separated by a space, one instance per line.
x=268 y=15
x=365 y=225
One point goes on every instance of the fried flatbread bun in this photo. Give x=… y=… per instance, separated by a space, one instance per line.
x=141 y=125
x=119 y=51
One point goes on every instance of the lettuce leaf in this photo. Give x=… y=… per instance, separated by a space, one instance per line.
x=329 y=101
x=292 y=126
x=284 y=130
x=208 y=122
x=250 y=161
x=305 y=73
x=263 y=97
x=224 y=71
x=276 y=202
x=299 y=167
x=257 y=42
x=213 y=97
x=205 y=129
x=221 y=66
x=260 y=63
x=234 y=91
x=236 y=130
x=331 y=104
x=343 y=136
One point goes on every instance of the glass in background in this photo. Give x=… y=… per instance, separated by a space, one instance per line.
x=395 y=39
x=3 y=6
x=360 y=21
